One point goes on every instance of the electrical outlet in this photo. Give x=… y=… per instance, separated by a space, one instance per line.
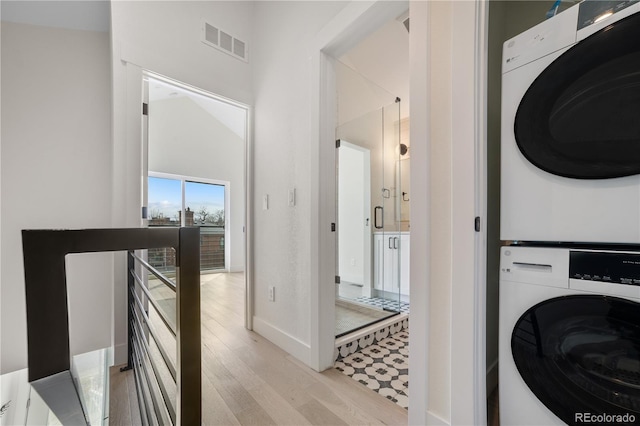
x=272 y=293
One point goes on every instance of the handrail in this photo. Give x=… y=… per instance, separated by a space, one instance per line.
x=48 y=320
x=155 y=272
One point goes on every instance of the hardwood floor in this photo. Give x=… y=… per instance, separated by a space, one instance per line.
x=249 y=381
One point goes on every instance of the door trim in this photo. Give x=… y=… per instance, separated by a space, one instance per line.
x=351 y=25
x=248 y=163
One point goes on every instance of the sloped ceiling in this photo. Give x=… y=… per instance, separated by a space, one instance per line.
x=383 y=58
x=374 y=73
x=230 y=116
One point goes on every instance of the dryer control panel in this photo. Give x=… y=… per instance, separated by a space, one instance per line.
x=609 y=267
x=592 y=12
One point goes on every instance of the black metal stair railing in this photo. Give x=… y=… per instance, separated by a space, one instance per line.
x=49 y=361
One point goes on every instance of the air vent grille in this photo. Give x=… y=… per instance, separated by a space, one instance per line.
x=224 y=41
x=211 y=34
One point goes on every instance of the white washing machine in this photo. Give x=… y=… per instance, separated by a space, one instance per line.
x=569 y=336
x=570 y=127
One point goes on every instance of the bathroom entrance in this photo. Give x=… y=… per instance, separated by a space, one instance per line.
x=373 y=199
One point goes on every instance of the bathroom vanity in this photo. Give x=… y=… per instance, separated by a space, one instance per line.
x=391 y=262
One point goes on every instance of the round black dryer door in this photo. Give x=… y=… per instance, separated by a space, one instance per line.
x=581 y=117
x=580 y=355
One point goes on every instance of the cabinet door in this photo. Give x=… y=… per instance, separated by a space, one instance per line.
x=378 y=261
x=391 y=263
x=404 y=264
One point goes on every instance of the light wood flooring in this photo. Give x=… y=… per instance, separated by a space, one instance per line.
x=246 y=380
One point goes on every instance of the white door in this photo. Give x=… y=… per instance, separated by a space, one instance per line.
x=354 y=202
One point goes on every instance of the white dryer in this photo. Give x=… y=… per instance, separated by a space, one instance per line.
x=569 y=336
x=571 y=127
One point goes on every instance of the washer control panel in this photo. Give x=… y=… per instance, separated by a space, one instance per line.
x=610 y=267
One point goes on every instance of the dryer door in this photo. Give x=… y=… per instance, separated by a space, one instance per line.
x=580 y=355
x=580 y=117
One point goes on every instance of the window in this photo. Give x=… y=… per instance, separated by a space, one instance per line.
x=186 y=201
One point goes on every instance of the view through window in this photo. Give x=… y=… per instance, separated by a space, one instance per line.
x=184 y=201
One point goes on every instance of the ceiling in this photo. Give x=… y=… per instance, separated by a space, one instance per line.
x=374 y=73
x=90 y=15
x=383 y=58
x=229 y=115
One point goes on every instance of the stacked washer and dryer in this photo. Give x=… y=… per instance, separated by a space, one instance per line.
x=570 y=218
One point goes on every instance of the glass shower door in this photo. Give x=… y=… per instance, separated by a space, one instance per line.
x=369 y=241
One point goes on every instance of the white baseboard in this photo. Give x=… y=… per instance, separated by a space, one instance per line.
x=120 y=354
x=435 y=420
x=492 y=377
x=290 y=344
x=236 y=268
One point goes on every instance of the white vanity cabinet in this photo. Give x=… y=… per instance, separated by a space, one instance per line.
x=391 y=262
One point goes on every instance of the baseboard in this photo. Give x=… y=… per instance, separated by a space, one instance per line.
x=236 y=268
x=290 y=344
x=492 y=377
x=435 y=420
x=120 y=354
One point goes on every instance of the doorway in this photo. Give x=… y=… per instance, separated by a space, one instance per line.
x=196 y=175
x=372 y=183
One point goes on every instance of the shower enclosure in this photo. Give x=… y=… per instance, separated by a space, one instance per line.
x=372 y=204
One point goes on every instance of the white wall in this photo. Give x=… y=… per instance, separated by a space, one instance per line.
x=56 y=171
x=184 y=139
x=285 y=35
x=163 y=37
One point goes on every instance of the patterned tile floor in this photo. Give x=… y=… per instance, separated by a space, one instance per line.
x=384 y=303
x=383 y=367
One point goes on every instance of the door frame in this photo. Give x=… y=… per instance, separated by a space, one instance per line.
x=136 y=84
x=351 y=25
x=248 y=158
x=467 y=28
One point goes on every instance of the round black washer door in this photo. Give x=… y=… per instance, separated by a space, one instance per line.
x=580 y=355
x=580 y=118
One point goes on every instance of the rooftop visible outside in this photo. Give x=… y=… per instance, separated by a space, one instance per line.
x=203 y=207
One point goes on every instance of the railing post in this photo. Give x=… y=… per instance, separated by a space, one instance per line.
x=130 y=287
x=188 y=325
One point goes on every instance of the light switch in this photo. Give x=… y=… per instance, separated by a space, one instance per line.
x=265 y=202
x=292 y=197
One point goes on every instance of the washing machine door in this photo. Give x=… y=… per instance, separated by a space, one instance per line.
x=580 y=118
x=580 y=356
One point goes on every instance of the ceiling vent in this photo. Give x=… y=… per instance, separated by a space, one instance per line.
x=221 y=40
